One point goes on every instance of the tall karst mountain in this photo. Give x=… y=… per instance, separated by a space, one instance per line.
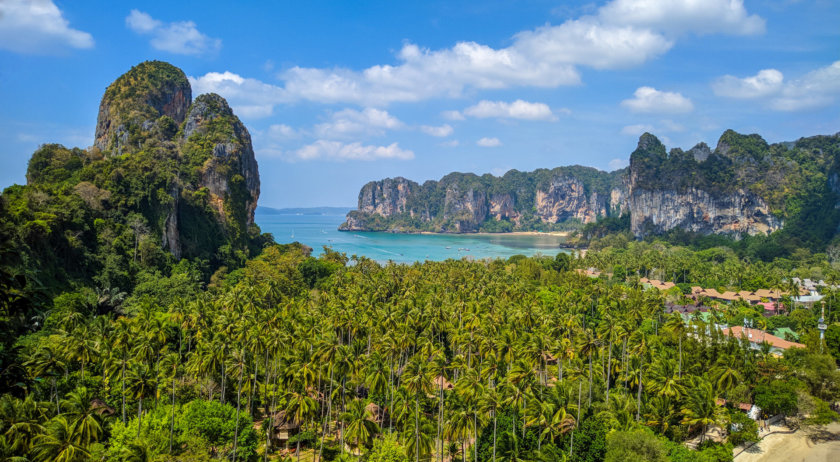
x=743 y=186
x=167 y=178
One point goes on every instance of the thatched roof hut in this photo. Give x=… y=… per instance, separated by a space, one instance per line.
x=376 y=411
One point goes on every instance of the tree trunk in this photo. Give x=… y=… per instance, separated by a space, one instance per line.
x=590 y=378
x=639 y=396
x=122 y=388
x=139 y=415
x=494 y=435
x=172 y=419
x=609 y=370
x=417 y=428
x=329 y=415
x=679 y=371
x=238 y=406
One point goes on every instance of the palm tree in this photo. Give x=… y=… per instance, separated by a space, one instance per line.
x=300 y=407
x=700 y=407
x=82 y=417
x=360 y=428
x=142 y=380
x=677 y=327
x=22 y=421
x=46 y=362
x=725 y=374
x=59 y=444
x=170 y=363
x=490 y=402
x=417 y=381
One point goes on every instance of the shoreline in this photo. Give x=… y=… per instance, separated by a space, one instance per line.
x=512 y=233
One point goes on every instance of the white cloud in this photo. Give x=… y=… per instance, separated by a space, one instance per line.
x=616 y=164
x=452 y=115
x=282 y=132
x=651 y=100
x=369 y=121
x=679 y=17
x=590 y=42
x=37 y=26
x=338 y=151
x=636 y=129
x=516 y=110
x=766 y=82
x=441 y=131
x=181 y=37
x=488 y=142
x=615 y=37
x=450 y=143
x=816 y=89
x=250 y=98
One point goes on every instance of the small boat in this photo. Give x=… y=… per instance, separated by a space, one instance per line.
x=293 y=234
x=448 y=246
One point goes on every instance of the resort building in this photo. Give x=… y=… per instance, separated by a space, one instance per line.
x=757 y=337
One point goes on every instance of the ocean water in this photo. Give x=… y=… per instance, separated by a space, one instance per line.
x=317 y=231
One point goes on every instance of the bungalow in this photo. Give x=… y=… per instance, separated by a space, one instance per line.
x=657 y=284
x=757 y=337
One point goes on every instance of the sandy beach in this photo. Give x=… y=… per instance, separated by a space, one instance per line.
x=811 y=445
x=512 y=233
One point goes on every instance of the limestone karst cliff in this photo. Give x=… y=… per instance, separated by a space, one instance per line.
x=744 y=186
x=461 y=203
x=167 y=177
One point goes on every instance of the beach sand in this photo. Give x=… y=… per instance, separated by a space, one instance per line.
x=512 y=233
x=811 y=445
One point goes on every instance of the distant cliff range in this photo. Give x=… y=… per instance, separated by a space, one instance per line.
x=743 y=186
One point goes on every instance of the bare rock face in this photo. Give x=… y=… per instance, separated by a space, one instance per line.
x=213 y=135
x=387 y=197
x=698 y=211
x=466 y=209
x=145 y=101
x=566 y=198
x=503 y=207
x=661 y=200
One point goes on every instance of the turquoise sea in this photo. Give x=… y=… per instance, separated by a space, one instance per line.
x=319 y=230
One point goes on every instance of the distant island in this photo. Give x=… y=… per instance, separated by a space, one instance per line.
x=304 y=210
x=744 y=186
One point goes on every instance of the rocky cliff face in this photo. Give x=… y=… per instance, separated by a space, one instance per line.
x=741 y=187
x=689 y=191
x=698 y=211
x=143 y=102
x=566 y=198
x=386 y=197
x=212 y=127
x=150 y=109
x=464 y=203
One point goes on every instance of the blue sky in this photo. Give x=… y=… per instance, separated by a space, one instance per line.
x=336 y=94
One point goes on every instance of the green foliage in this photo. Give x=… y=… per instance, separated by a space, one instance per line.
x=776 y=397
x=387 y=449
x=635 y=446
x=741 y=428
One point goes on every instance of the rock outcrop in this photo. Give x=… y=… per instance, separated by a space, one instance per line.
x=464 y=203
x=689 y=191
x=742 y=187
x=149 y=109
x=695 y=210
x=148 y=100
x=211 y=126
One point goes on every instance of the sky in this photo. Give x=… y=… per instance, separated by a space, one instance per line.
x=336 y=94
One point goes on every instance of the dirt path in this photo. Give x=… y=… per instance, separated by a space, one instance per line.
x=812 y=445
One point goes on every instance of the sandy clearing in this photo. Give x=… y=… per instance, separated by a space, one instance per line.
x=815 y=445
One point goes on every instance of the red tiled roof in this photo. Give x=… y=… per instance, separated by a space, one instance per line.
x=759 y=336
